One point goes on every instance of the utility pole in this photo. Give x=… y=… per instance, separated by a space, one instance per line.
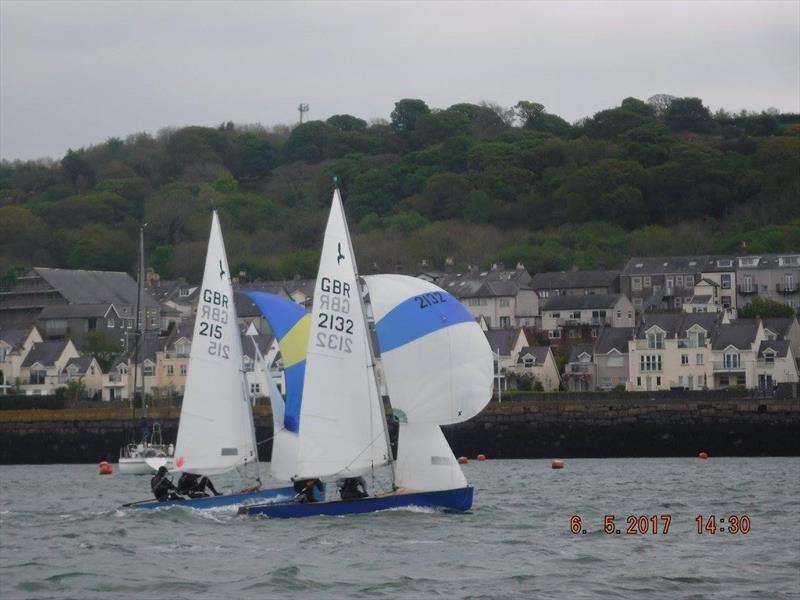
x=303 y=108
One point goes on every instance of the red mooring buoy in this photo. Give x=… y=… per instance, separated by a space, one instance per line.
x=557 y=464
x=105 y=468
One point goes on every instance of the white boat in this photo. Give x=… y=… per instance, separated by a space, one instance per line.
x=435 y=359
x=216 y=432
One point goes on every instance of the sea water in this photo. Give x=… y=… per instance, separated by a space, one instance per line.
x=63 y=535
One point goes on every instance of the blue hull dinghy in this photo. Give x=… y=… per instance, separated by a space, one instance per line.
x=457 y=500
x=275 y=494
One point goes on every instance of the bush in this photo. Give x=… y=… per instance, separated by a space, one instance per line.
x=23 y=402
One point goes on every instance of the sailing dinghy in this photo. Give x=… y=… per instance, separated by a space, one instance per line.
x=433 y=353
x=216 y=432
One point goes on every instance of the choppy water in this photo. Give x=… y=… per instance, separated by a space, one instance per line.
x=62 y=536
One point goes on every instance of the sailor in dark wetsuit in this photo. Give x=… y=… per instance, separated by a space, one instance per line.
x=309 y=490
x=195 y=486
x=162 y=487
x=353 y=488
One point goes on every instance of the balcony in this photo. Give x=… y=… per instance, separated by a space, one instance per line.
x=645 y=345
x=722 y=366
x=786 y=288
x=747 y=290
x=765 y=364
x=579 y=368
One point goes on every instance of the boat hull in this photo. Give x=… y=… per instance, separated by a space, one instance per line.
x=134 y=466
x=455 y=500
x=274 y=494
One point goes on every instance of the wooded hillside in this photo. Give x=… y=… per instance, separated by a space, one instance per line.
x=475 y=183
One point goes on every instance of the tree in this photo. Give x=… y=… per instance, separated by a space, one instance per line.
x=78 y=171
x=405 y=114
x=660 y=103
x=766 y=309
x=347 y=123
x=689 y=114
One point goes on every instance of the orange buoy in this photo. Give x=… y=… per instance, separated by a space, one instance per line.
x=105 y=468
x=462 y=460
x=480 y=457
x=703 y=455
x=557 y=464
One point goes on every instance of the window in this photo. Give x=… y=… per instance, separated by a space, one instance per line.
x=741 y=380
x=573 y=333
x=122 y=369
x=91 y=323
x=684 y=359
x=725 y=263
x=505 y=321
x=678 y=301
x=594 y=332
x=723 y=380
x=638 y=382
x=148 y=370
x=670 y=281
x=769 y=357
x=556 y=315
x=699 y=359
x=528 y=362
x=614 y=361
x=619 y=314
x=183 y=370
x=732 y=361
x=183 y=292
x=726 y=301
x=637 y=301
x=655 y=340
x=636 y=283
x=658 y=381
x=650 y=362
x=786 y=261
x=505 y=302
x=575 y=314
x=680 y=380
x=748 y=261
x=37 y=376
x=747 y=284
x=2 y=354
x=170 y=370
x=182 y=349
x=788 y=283
x=725 y=281
x=111 y=322
x=630 y=314
x=647 y=282
x=679 y=281
x=255 y=389
x=544 y=294
x=555 y=334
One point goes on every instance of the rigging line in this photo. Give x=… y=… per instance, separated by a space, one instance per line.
x=269 y=439
x=367 y=447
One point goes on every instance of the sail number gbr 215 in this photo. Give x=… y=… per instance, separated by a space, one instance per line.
x=213 y=315
x=334 y=308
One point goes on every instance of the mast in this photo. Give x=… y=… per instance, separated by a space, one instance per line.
x=138 y=336
x=370 y=347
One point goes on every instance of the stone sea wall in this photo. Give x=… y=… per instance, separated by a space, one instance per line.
x=534 y=426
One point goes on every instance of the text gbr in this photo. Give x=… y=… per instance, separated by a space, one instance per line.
x=213 y=315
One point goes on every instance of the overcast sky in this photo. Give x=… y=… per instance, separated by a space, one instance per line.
x=73 y=74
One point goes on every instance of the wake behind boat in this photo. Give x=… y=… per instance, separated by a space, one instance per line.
x=434 y=357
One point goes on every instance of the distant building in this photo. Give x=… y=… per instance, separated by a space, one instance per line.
x=611 y=357
x=547 y=285
x=15 y=344
x=575 y=317
x=539 y=363
x=773 y=276
x=506 y=345
x=41 y=372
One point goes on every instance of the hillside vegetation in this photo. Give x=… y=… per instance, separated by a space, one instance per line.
x=471 y=184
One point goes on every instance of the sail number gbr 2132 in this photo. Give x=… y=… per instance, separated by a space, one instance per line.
x=213 y=315
x=335 y=328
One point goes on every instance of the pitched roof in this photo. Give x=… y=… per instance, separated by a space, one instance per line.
x=74 y=311
x=94 y=287
x=262 y=340
x=676 y=324
x=82 y=362
x=573 y=279
x=740 y=334
x=539 y=354
x=504 y=339
x=488 y=284
x=781 y=347
x=654 y=265
x=579 y=349
x=613 y=338
x=779 y=325
x=14 y=337
x=45 y=353
x=582 y=302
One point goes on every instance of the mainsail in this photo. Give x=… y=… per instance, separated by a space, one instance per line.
x=342 y=426
x=216 y=431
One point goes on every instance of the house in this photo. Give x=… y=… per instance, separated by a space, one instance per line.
x=706 y=297
x=673 y=350
x=15 y=344
x=785 y=328
x=661 y=282
x=86 y=370
x=735 y=349
x=91 y=294
x=720 y=270
x=579 y=372
x=539 y=363
x=581 y=283
x=503 y=298
x=40 y=372
x=775 y=363
x=773 y=276
x=506 y=345
x=575 y=317
x=611 y=357
x=266 y=357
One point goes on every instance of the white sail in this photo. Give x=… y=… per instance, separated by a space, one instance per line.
x=341 y=417
x=216 y=431
x=284 y=442
x=425 y=460
x=436 y=360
